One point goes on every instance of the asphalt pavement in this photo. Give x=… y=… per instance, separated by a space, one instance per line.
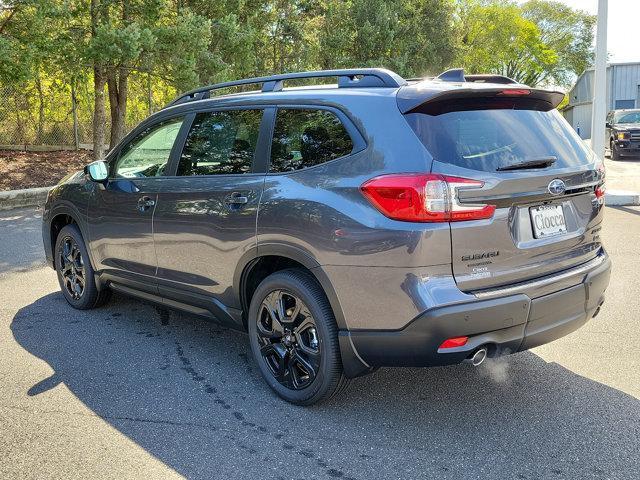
x=135 y=391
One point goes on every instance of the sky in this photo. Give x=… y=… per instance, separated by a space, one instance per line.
x=622 y=27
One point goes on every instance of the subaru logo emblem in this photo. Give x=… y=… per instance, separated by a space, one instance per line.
x=556 y=187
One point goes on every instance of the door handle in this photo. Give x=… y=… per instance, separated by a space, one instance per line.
x=144 y=203
x=236 y=198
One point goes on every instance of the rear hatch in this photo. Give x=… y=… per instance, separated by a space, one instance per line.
x=545 y=184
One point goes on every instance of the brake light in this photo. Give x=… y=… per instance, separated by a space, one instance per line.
x=424 y=198
x=453 y=342
x=600 y=191
x=511 y=92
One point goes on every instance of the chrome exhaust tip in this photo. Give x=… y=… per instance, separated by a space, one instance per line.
x=478 y=357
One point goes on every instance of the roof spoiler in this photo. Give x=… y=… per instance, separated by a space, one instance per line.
x=433 y=102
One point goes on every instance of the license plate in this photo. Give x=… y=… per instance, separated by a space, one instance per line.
x=547 y=220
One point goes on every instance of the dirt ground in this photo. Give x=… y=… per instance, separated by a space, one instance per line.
x=38 y=169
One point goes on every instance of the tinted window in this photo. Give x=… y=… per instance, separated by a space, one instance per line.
x=489 y=139
x=148 y=153
x=220 y=143
x=303 y=138
x=627 y=117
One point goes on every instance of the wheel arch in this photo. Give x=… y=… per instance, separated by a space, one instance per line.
x=62 y=216
x=290 y=257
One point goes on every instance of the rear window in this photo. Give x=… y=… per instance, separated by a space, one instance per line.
x=487 y=140
x=303 y=138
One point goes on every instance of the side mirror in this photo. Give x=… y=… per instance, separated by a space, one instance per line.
x=608 y=125
x=97 y=171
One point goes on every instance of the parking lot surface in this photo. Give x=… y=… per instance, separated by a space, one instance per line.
x=135 y=391
x=623 y=174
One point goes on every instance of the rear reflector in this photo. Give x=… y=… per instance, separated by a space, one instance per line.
x=424 y=198
x=454 y=342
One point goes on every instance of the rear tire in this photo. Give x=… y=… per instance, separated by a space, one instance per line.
x=75 y=273
x=294 y=338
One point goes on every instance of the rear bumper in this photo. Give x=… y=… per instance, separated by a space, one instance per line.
x=505 y=323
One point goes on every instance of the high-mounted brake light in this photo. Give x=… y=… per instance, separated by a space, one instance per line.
x=424 y=198
x=512 y=92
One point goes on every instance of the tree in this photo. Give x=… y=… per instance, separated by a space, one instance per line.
x=568 y=32
x=538 y=43
x=412 y=37
x=139 y=35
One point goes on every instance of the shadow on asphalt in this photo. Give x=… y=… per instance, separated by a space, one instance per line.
x=627 y=210
x=188 y=392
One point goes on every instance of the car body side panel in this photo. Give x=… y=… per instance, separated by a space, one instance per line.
x=199 y=238
x=121 y=234
x=322 y=211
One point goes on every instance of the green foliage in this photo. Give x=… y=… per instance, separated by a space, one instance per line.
x=537 y=43
x=164 y=46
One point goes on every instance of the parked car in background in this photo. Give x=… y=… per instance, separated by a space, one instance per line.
x=623 y=133
x=376 y=222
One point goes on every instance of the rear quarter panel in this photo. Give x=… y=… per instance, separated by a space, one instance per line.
x=322 y=212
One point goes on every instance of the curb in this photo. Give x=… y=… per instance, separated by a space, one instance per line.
x=29 y=197
x=618 y=198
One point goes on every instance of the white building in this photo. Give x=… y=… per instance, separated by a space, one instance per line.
x=623 y=91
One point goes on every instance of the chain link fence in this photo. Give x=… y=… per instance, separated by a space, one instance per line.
x=53 y=115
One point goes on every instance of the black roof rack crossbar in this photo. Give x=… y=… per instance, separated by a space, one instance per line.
x=355 y=77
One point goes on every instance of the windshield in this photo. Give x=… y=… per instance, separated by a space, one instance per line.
x=627 y=117
x=490 y=140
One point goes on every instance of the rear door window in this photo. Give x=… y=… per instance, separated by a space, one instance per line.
x=489 y=140
x=221 y=143
x=304 y=137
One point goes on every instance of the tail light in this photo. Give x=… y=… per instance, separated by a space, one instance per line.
x=424 y=198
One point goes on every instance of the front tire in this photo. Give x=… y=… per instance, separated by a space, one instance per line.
x=75 y=273
x=615 y=154
x=294 y=338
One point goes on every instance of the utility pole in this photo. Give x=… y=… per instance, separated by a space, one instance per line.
x=599 y=113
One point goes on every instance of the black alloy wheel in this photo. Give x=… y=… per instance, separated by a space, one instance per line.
x=76 y=276
x=288 y=339
x=294 y=338
x=71 y=266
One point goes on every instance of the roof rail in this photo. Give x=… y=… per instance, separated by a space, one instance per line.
x=347 y=78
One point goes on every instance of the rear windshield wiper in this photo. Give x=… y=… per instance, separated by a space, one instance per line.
x=537 y=163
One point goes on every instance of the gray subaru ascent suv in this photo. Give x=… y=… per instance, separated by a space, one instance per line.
x=375 y=222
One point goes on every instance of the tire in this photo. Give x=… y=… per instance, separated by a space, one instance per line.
x=615 y=154
x=75 y=273
x=312 y=328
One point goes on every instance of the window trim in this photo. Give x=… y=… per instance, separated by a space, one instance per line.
x=182 y=139
x=133 y=135
x=358 y=140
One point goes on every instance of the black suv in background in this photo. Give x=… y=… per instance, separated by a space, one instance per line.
x=376 y=222
x=623 y=133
